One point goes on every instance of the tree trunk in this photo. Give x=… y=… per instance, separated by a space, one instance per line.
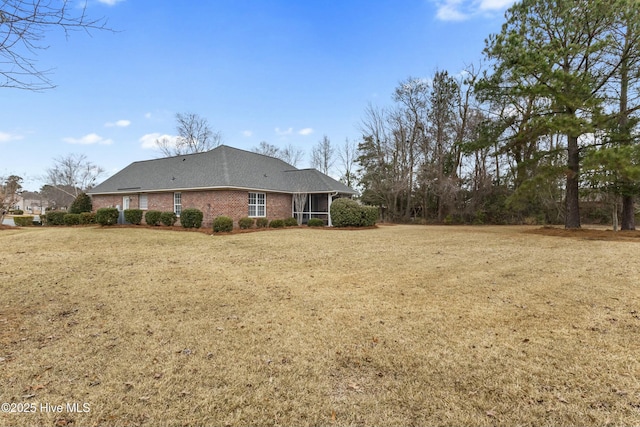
x=628 y=213
x=572 y=196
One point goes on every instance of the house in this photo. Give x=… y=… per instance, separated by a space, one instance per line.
x=223 y=181
x=31 y=202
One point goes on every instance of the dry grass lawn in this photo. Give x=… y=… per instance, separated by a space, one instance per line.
x=394 y=326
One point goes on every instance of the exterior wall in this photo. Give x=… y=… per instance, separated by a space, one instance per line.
x=231 y=203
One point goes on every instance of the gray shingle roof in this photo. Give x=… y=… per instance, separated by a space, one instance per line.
x=222 y=167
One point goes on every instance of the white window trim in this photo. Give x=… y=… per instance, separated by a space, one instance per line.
x=176 y=205
x=257 y=205
x=144 y=197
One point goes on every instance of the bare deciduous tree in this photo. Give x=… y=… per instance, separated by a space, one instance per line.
x=23 y=25
x=9 y=188
x=194 y=136
x=73 y=174
x=322 y=155
x=348 y=154
x=289 y=154
x=266 y=149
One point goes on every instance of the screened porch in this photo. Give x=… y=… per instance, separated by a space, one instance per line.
x=312 y=205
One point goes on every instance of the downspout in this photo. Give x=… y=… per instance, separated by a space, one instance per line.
x=330 y=196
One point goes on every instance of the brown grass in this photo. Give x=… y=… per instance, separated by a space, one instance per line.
x=395 y=326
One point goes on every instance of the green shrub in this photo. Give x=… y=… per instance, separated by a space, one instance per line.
x=245 y=223
x=17 y=212
x=55 y=218
x=152 y=217
x=291 y=222
x=277 y=223
x=315 y=222
x=107 y=216
x=133 y=216
x=81 y=204
x=349 y=213
x=262 y=222
x=87 y=218
x=72 y=219
x=23 y=220
x=370 y=215
x=191 y=218
x=222 y=224
x=168 y=218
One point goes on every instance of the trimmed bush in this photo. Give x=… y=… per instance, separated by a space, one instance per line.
x=87 y=218
x=262 y=222
x=54 y=218
x=349 y=213
x=277 y=223
x=245 y=223
x=72 y=219
x=152 y=217
x=81 y=204
x=191 y=218
x=168 y=218
x=133 y=216
x=23 y=220
x=315 y=222
x=107 y=216
x=291 y=222
x=222 y=224
x=17 y=212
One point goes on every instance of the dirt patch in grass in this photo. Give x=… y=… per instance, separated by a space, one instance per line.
x=589 y=234
x=403 y=325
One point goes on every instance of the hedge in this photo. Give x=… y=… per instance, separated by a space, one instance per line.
x=315 y=222
x=245 y=223
x=23 y=220
x=222 y=224
x=168 y=218
x=107 y=216
x=87 y=218
x=133 y=216
x=262 y=222
x=277 y=223
x=54 y=218
x=72 y=219
x=191 y=218
x=152 y=217
x=349 y=213
x=291 y=222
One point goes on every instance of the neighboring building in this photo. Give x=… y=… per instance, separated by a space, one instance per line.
x=31 y=202
x=224 y=181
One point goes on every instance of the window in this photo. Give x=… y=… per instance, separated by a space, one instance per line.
x=257 y=204
x=143 y=202
x=177 y=203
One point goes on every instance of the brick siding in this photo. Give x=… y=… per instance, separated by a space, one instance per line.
x=231 y=203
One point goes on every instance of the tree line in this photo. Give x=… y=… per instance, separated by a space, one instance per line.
x=550 y=125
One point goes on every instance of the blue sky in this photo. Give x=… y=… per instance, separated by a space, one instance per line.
x=280 y=71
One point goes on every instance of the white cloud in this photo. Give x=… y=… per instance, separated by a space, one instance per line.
x=147 y=116
x=149 y=140
x=461 y=10
x=495 y=4
x=89 y=139
x=305 y=131
x=119 y=124
x=247 y=133
x=284 y=132
x=110 y=2
x=6 y=137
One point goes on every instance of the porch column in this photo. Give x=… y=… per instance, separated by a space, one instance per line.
x=330 y=199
